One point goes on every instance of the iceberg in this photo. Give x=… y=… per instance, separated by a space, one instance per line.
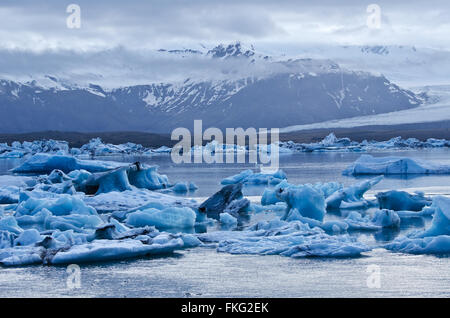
x=307 y=200
x=123 y=202
x=228 y=220
x=250 y=177
x=386 y=218
x=402 y=201
x=9 y=195
x=292 y=239
x=219 y=201
x=60 y=205
x=108 y=250
x=427 y=245
x=441 y=218
x=46 y=163
x=434 y=240
x=367 y=164
x=179 y=218
x=147 y=177
x=352 y=196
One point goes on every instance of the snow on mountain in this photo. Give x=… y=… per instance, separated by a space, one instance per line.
x=407 y=66
x=245 y=88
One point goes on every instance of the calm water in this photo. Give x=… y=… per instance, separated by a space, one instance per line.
x=202 y=272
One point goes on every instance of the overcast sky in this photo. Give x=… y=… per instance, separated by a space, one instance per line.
x=41 y=25
x=116 y=39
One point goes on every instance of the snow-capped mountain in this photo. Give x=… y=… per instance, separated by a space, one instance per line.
x=408 y=66
x=254 y=90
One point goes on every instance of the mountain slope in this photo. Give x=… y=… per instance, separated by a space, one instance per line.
x=253 y=91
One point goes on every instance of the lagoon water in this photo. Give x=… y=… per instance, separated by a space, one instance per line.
x=202 y=272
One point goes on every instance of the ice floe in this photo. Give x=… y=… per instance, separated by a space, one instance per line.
x=368 y=164
x=250 y=177
x=46 y=163
x=293 y=239
x=434 y=240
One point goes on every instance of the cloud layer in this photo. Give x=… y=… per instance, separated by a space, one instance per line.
x=41 y=25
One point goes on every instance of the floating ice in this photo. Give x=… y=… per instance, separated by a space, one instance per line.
x=61 y=205
x=228 y=219
x=329 y=226
x=135 y=199
x=179 y=218
x=46 y=163
x=307 y=200
x=441 y=218
x=402 y=201
x=19 y=150
x=352 y=196
x=97 y=147
x=219 y=201
x=180 y=187
x=386 y=218
x=250 y=177
x=435 y=239
x=367 y=164
x=332 y=143
x=293 y=239
x=427 y=245
x=106 y=250
x=9 y=223
x=9 y=195
x=147 y=177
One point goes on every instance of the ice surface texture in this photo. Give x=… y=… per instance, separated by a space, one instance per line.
x=368 y=164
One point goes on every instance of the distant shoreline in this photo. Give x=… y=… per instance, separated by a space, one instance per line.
x=421 y=131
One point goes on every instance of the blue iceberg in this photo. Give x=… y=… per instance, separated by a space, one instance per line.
x=367 y=164
x=46 y=163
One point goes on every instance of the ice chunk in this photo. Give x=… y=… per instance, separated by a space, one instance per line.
x=74 y=222
x=441 y=218
x=367 y=164
x=428 y=245
x=147 y=177
x=237 y=207
x=6 y=239
x=9 y=195
x=128 y=200
x=307 y=200
x=352 y=196
x=219 y=201
x=228 y=219
x=46 y=163
x=386 y=218
x=163 y=219
x=329 y=226
x=249 y=177
x=293 y=239
x=62 y=205
x=357 y=222
x=269 y=197
x=28 y=237
x=435 y=239
x=9 y=223
x=402 y=201
x=106 y=250
x=104 y=182
x=180 y=187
